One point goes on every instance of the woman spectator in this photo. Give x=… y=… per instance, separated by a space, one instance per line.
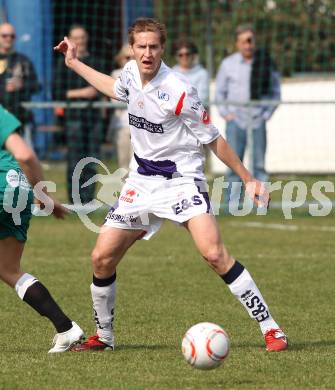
x=187 y=57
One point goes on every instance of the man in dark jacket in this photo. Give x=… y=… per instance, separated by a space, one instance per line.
x=18 y=80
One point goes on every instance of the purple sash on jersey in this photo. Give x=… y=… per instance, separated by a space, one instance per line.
x=166 y=168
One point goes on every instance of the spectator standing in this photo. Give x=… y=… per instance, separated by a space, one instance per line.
x=119 y=124
x=83 y=127
x=187 y=63
x=248 y=74
x=18 y=80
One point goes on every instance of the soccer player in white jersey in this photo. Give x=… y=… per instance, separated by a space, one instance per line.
x=168 y=128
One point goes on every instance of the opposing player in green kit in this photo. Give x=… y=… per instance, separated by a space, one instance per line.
x=20 y=171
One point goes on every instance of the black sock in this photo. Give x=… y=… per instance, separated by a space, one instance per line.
x=234 y=272
x=39 y=298
x=104 y=282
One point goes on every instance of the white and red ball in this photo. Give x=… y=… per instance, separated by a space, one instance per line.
x=205 y=345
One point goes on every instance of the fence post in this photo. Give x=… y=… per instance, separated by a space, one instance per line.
x=250 y=136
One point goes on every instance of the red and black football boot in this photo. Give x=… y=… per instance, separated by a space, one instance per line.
x=92 y=344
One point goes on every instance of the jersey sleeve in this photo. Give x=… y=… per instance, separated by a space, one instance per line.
x=192 y=112
x=120 y=90
x=8 y=124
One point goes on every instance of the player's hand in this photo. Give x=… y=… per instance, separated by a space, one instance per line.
x=56 y=208
x=59 y=211
x=69 y=49
x=258 y=193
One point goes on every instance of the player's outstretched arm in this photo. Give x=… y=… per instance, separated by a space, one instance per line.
x=255 y=189
x=100 y=81
x=31 y=166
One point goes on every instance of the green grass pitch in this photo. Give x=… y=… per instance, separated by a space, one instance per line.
x=163 y=288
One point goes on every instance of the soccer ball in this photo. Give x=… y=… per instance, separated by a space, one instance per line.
x=205 y=345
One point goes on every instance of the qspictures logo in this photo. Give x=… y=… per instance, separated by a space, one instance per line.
x=315 y=198
x=107 y=196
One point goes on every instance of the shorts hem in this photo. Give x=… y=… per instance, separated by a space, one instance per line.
x=113 y=224
x=186 y=218
x=147 y=233
x=8 y=234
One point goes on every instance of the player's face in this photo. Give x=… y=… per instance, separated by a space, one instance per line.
x=245 y=44
x=7 y=36
x=148 y=52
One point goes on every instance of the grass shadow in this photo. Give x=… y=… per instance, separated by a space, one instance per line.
x=247 y=345
x=122 y=347
x=126 y=347
x=311 y=345
x=292 y=346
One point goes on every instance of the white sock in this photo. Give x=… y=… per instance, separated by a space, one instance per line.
x=103 y=298
x=22 y=285
x=245 y=290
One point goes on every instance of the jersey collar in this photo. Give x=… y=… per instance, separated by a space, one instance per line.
x=155 y=81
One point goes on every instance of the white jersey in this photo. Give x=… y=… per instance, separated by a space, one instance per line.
x=168 y=124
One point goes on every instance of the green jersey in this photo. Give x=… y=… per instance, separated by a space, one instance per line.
x=8 y=124
x=13 y=185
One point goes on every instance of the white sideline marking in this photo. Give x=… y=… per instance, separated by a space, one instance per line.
x=277 y=226
x=306 y=205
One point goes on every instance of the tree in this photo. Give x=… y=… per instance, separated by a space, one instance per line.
x=300 y=34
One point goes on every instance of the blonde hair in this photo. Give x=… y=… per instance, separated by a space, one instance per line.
x=146 y=24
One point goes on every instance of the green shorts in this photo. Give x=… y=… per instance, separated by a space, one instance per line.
x=16 y=199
